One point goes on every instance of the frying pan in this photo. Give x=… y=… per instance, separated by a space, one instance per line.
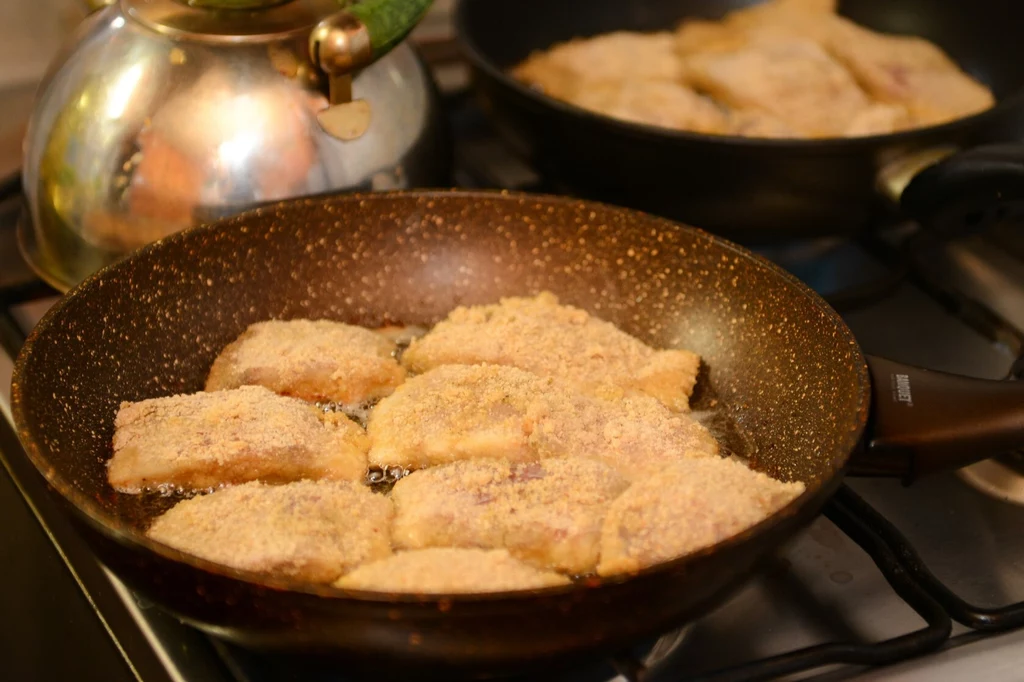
x=785 y=370
x=758 y=190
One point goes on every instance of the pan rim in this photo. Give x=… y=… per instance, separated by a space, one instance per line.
x=805 y=506
x=825 y=145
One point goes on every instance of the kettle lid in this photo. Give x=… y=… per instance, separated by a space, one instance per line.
x=239 y=21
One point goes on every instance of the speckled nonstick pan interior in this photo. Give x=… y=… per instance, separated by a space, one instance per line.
x=781 y=363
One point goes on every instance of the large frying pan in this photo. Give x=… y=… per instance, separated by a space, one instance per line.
x=786 y=370
x=749 y=189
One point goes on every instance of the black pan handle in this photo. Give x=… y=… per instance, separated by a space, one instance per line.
x=968 y=190
x=925 y=421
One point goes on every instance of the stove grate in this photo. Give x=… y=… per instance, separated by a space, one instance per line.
x=887 y=549
x=981 y=618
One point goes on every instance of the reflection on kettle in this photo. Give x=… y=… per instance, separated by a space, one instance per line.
x=161 y=117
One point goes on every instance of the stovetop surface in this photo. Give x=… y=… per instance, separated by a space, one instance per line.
x=72 y=618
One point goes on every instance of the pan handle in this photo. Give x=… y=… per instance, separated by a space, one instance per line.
x=968 y=190
x=925 y=421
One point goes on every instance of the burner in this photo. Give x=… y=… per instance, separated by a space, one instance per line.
x=646 y=665
x=999 y=477
x=986 y=268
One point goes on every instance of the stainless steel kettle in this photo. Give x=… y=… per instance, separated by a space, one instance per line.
x=162 y=114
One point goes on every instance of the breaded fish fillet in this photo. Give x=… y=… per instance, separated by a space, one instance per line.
x=691 y=505
x=636 y=436
x=449 y=571
x=203 y=440
x=613 y=57
x=879 y=119
x=792 y=79
x=659 y=103
x=807 y=18
x=912 y=74
x=453 y=413
x=754 y=123
x=804 y=18
x=700 y=35
x=908 y=71
x=548 y=513
x=539 y=335
x=749 y=47
x=458 y=412
x=308 y=530
x=316 y=360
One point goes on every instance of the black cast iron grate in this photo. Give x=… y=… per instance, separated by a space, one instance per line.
x=859 y=521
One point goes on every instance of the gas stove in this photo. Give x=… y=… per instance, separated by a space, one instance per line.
x=890 y=583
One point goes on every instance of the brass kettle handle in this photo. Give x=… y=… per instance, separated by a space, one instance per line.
x=350 y=40
x=385 y=22
x=362 y=33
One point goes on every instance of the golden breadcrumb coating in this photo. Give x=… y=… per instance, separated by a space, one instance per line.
x=918 y=82
x=449 y=571
x=667 y=104
x=541 y=336
x=566 y=68
x=792 y=79
x=316 y=360
x=308 y=530
x=204 y=440
x=693 y=504
x=457 y=412
x=548 y=513
x=452 y=413
x=909 y=71
x=775 y=69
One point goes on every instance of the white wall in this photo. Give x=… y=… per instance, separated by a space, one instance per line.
x=31 y=31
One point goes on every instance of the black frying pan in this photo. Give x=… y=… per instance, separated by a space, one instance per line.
x=786 y=369
x=757 y=190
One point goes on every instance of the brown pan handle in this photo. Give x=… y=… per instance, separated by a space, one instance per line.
x=924 y=421
x=967 y=190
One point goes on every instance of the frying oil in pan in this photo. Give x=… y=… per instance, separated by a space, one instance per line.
x=380 y=479
x=360 y=413
x=711 y=411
